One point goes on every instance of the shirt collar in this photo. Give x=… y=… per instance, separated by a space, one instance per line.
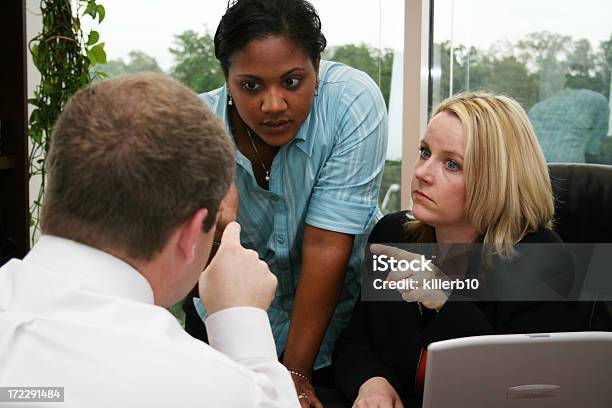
x=94 y=270
x=222 y=110
x=304 y=139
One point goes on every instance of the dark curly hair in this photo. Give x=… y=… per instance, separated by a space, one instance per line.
x=248 y=20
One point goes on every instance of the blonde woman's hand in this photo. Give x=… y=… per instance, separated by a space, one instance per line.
x=377 y=393
x=430 y=298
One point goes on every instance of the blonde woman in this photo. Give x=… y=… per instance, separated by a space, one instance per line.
x=481 y=177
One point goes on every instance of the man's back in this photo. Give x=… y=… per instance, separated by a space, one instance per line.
x=571 y=125
x=75 y=317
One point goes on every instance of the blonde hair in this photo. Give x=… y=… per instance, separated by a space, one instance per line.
x=131 y=158
x=508 y=189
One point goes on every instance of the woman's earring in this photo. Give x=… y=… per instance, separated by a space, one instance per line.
x=230 y=101
x=317 y=87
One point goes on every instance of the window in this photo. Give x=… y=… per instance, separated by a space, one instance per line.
x=553 y=56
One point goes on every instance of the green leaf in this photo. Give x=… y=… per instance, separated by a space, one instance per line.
x=34 y=115
x=91 y=9
x=48 y=88
x=36 y=135
x=35 y=59
x=84 y=79
x=93 y=38
x=102 y=75
x=101 y=13
x=76 y=24
x=97 y=55
x=91 y=57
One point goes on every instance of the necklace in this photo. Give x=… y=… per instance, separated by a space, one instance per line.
x=257 y=153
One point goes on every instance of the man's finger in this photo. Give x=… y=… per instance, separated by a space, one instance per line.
x=231 y=234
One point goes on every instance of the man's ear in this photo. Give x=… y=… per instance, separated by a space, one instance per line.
x=190 y=233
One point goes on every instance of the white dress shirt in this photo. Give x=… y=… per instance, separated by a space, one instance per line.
x=75 y=317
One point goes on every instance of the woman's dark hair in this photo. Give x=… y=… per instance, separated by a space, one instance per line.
x=248 y=20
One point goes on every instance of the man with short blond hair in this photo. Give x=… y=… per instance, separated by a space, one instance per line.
x=137 y=169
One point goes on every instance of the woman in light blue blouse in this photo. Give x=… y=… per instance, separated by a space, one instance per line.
x=311 y=136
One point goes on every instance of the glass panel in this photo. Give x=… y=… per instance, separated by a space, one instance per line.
x=553 y=56
x=372 y=40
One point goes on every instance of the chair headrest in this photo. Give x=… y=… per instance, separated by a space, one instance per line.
x=583 y=201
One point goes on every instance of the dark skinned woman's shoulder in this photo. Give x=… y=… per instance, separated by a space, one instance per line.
x=390 y=228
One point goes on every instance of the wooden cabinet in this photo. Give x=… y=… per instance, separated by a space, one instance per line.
x=14 y=230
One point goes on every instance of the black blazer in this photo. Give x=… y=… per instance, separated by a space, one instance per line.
x=385 y=338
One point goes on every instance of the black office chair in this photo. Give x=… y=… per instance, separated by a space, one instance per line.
x=583 y=214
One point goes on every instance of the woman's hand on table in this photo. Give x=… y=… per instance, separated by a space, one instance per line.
x=377 y=393
x=306 y=393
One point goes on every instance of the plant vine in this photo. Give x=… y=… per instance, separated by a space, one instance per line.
x=66 y=60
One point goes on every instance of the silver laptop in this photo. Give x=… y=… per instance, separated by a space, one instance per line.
x=521 y=371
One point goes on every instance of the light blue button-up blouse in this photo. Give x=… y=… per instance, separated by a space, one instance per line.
x=328 y=176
